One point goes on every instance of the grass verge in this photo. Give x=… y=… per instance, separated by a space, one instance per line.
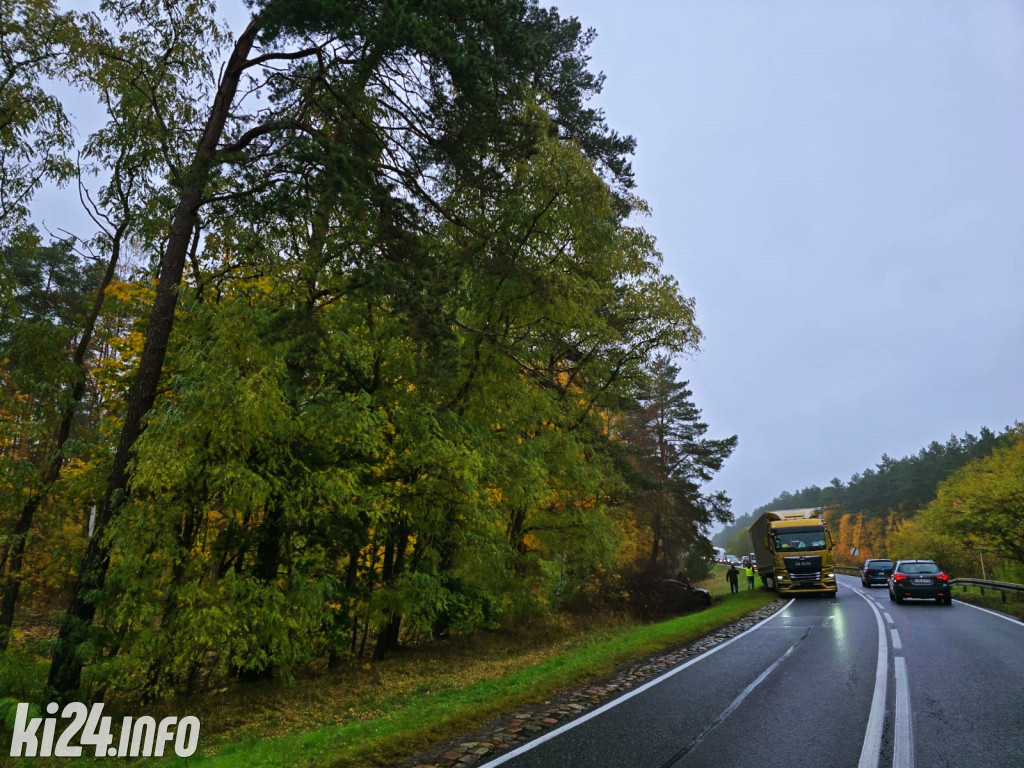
x=1012 y=606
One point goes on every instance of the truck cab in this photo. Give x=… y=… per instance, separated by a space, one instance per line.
x=794 y=552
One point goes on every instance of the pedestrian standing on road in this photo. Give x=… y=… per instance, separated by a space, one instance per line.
x=733 y=575
x=749 y=570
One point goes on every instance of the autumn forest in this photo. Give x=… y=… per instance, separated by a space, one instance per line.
x=365 y=346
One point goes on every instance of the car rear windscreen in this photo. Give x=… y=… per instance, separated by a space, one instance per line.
x=919 y=568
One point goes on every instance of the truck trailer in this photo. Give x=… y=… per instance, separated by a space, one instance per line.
x=794 y=551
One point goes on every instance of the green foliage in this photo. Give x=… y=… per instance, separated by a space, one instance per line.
x=47 y=291
x=978 y=509
x=985 y=500
x=236 y=456
x=35 y=132
x=699 y=563
x=46 y=283
x=922 y=537
x=22 y=673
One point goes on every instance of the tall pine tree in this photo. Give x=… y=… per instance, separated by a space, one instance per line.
x=674 y=459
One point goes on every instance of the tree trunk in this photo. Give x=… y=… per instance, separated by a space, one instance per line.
x=394 y=564
x=515 y=530
x=66 y=666
x=14 y=553
x=268 y=561
x=334 y=653
x=656 y=538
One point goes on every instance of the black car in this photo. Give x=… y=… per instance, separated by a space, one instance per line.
x=919 y=578
x=678 y=595
x=875 y=572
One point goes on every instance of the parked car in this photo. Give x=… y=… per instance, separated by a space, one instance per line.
x=919 y=578
x=875 y=571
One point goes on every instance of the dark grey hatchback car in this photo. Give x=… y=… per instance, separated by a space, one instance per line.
x=875 y=571
x=919 y=578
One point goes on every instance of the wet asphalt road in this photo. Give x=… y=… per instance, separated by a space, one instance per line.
x=856 y=682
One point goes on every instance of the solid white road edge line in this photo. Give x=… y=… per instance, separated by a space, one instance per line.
x=872 y=746
x=994 y=613
x=626 y=696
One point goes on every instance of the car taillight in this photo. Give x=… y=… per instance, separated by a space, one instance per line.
x=898 y=577
x=941 y=577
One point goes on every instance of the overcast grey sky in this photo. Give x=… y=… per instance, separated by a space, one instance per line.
x=840 y=186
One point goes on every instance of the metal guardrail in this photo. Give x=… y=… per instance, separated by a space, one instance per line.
x=1000 y=586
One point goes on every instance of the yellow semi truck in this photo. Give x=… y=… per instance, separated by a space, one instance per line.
x=794 y=551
